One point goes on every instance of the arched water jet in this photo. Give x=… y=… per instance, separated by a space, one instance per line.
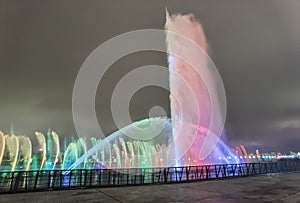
x=196 y=88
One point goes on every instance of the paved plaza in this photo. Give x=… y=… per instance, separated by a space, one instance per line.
x=268 y=188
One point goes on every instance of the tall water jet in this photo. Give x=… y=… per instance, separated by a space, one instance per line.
x=12 y=146
x=25 y=152
x=42 y=143
x=2 y=146
x=71 y=155
x=49 y=149
x=81 y=149
x=194 y=91
x=65 y=144
x=98 y=153
x=191 y=135
x=55 y=138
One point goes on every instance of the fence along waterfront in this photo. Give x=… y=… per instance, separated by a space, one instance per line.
x=23 y=181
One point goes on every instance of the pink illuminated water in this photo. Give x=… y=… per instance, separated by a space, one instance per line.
x=191 y=135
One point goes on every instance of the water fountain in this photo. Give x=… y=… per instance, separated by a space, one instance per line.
x=17 y=153
x=181 y=138
x=178 y=140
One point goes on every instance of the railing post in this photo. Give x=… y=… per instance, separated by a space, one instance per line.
x=233 y=168
x=108 y=182
x=114 y=177
x=60 y=179
x=91 y=177
x=36 y=180
x=26 y=179
x=12 y=180
x=253 y=169
x=224 y=175
x=248 y=169
x=141 y=177
x=216 y=172
x=187 y=173
x=49 y=179
x=165 y=174
x=151 y=177
x=70 y=178
x=127 y=177
x=207 y=172
x=100 y=177
x=80 y=177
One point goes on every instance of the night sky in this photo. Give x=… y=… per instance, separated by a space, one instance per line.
x=254 y=44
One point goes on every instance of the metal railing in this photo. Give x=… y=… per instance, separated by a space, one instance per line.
x=22 y=181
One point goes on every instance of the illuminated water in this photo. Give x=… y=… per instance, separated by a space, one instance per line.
x=184 y=139
x=179 y=140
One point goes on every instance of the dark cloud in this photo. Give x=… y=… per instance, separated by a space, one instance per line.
x=254 y=44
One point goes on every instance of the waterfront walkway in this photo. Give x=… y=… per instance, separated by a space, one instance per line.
x=265 y=188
